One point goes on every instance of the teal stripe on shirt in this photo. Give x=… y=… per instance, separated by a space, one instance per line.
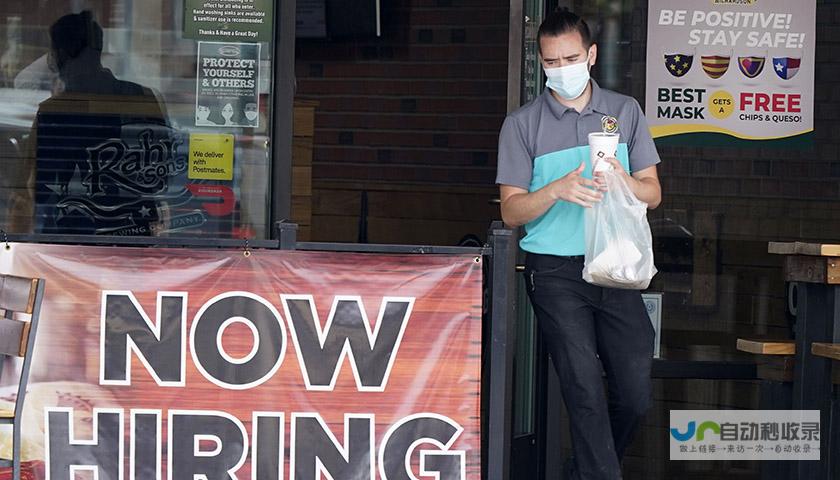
x=560 y=231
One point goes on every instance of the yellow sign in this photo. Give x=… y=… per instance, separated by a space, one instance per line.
x=721 y=104
x=211 y=156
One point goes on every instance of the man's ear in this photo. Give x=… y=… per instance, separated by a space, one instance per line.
x=593 y=54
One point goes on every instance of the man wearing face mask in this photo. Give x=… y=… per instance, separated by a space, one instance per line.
x=545 y=184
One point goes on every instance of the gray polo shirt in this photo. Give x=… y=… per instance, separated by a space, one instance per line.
x=545 y=140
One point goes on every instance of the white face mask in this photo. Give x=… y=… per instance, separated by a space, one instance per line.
x=570 y=81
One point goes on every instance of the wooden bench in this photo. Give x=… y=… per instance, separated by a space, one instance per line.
x=774 y=368
x=815 y=269
x=830 y=351
x=827 y=350
x=832 y=429
x=776 y=357
x=767 y=347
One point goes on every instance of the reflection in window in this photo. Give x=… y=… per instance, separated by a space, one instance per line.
x=105 y=127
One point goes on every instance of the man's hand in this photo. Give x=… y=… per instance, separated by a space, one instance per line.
x=574 y=188
x=644 y=184
x=520 y=206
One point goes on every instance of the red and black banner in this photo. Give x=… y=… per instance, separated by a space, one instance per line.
x=187 y=363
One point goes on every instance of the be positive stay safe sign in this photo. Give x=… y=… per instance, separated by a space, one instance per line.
x=729 y=69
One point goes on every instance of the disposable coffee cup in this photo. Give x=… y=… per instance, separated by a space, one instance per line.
x=601 y=147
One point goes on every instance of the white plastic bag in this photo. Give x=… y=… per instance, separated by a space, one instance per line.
x=619 y=247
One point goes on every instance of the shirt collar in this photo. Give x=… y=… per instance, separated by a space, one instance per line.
x=596 y=102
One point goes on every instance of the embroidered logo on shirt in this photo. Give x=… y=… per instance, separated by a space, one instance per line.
x=609 y=124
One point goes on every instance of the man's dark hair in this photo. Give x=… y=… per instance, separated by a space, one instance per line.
x=73 y=33
x=562 y=21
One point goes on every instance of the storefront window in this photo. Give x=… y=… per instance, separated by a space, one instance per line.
x=130 y=117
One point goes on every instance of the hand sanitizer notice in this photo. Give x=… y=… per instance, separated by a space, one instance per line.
x=229 y=20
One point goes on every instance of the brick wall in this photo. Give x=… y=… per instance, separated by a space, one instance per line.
x=411 y=119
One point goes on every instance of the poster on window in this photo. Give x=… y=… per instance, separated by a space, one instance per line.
x=229 y=20
x=731 y=72
x=227 y=85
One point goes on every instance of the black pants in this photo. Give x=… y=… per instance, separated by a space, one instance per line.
x=585 y=328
